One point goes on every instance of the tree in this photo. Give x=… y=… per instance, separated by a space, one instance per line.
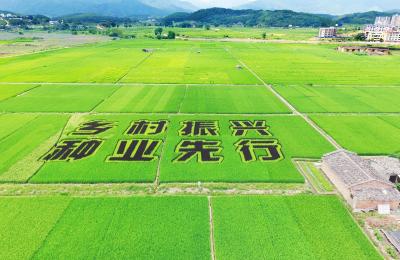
x=264 y=35
x=171 y=35
x=92 y=30
x=158 y=32
x=116 y=33
x=360 y=37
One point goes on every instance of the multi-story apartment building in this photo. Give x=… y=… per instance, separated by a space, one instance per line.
x=330 y=32
x=383 y=21
x=395 y=20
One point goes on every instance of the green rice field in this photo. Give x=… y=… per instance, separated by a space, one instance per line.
x=143 y=99
x=22 y=143
x=179 y=228
x=343 y=99
x=10 y=91
x=367 y=135
x=188 y=149
x=104 y=228
x=233 y=32
x=304 y=64
x=230 y=169
x=101 y=170
x=189 y=62
x=58 y=98
x=287 y=228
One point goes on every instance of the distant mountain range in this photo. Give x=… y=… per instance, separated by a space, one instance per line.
x=324 y=6
x=277 y=18
x=116 y=8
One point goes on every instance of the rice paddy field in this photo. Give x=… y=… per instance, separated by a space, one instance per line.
x=170 y=120
x=232 y=32
x=366 y=135
x=308 y=64
x=286 y=228
x=178 y=228
x=343 y=99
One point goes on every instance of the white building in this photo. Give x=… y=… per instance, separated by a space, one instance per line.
x=383 y=21
x=392 y=36
x=395 y=20
x=375 y=33
x=388 y=21
x=385 y=29
x=330 y=32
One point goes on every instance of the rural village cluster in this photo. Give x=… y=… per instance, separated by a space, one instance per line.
x=385 y=29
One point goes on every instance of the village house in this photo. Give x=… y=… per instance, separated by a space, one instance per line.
x=330 y=32
x=366 y=184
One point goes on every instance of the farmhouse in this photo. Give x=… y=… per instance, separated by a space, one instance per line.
x=366 y=184
x=366 y=50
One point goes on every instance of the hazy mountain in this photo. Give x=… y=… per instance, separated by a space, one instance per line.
x=121 y=8
x=277 y=18
x=248 y=17
x=324 y=6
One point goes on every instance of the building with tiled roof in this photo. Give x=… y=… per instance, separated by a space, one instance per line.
x=364 y=183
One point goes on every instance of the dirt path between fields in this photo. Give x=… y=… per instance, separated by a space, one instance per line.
x=316 y=41
x=212 y=244
x=288 y=104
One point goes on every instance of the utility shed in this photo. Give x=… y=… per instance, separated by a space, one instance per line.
x=366 y=50
x=362 y=185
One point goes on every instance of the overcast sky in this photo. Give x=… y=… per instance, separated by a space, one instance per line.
x=220 y=3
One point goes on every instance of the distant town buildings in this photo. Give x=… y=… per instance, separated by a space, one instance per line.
x=365 y=183
x=385 y=29
x=395 y=20
x=7 y=15
x=54 y=22
x=388 y=21
x=330 y=32
x=383 y=21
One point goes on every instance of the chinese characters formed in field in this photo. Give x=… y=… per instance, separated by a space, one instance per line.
x=199 y=128
x=145 y=127
x=93 y=128
x=248 y=149
x=200 y=142
x=136 y=150
x=241 y=127
x=204 y=151
x=72 y=150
